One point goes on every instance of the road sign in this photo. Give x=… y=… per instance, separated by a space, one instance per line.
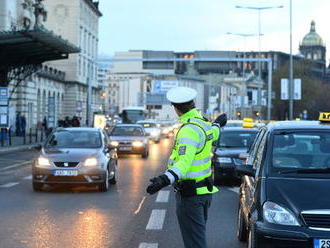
x=297 y=89
x=161 y=86
x=51 y=111
x=285 y=91
x=4 y=96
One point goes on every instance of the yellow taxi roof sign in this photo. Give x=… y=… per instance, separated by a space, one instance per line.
x=248 y=120
x=248 y=124
x=324 y=116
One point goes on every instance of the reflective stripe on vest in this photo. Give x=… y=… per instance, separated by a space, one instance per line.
x=202 y=123
x=201 y=161
x=199 y=173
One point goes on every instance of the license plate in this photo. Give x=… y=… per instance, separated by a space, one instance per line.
x=66 y=173
x=125 y=148
x=321 y=243
x=225 y=160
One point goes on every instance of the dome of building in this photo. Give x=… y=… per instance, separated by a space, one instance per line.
x=312 y=38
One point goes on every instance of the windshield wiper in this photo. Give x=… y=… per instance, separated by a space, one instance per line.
x=306 y=171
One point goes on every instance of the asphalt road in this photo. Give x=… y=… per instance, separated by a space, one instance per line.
x=123 y=217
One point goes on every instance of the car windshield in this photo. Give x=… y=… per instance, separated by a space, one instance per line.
x=301 y=152
x=127 y=131
x=233 y=139
x=74 y=139
x=234 y=124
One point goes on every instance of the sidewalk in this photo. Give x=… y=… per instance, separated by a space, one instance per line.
x=17 y=144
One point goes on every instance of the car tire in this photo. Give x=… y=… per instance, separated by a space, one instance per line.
x=242 y=232
x=37 y=186
x=114 y=179
x=145 y=154
x=103 y=187
x=252 y=238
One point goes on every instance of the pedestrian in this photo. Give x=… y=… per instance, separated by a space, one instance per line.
x=23 y=125
x=18 y=124
x=189 y=167
x=75 y=122
x=67 y=121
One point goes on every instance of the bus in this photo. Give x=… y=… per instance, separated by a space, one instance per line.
x=131 y=115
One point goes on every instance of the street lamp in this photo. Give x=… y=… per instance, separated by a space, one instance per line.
x=291 y=69
x=259 y=9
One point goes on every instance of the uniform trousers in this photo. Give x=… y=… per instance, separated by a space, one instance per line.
x=192 y=216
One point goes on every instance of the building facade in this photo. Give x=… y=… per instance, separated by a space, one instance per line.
x=78 y=22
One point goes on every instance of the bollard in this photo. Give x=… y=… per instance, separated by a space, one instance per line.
x=9 y=134
x=30 y=135
x=36 y=135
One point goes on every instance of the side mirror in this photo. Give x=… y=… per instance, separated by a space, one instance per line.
x=38 y=147
x=246 y=170
x=243 y=156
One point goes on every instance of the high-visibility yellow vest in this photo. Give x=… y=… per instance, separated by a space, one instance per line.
x=191 y=155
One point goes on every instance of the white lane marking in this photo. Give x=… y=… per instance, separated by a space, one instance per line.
x=27 y=177
x=156 y=219
x=163 y=196
x=15 y=165
x=8 y=185
x=148 y=245
x=235 y=190
x=140 y=206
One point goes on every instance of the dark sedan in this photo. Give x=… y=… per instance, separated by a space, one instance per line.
x=284 y=196
x=76 y=156
x=232 y=142
x=130 y=139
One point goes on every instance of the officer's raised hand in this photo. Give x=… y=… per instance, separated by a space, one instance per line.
x=157 y=183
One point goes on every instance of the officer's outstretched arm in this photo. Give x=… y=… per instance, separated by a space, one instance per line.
x=187 y=143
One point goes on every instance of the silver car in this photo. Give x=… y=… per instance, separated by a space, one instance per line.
x=76 y=156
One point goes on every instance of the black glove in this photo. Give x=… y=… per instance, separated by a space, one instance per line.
x=221 y=120
x=157 y=184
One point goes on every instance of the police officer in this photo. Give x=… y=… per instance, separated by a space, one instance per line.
x=189 y=167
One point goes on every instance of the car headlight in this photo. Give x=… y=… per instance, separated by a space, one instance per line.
x=274 y=213
x=137 y=143
x=114 y=143
x=154 y=133
x=43 y=162
x=90 y=162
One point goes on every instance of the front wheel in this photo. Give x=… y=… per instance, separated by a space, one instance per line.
x=241 y=226
x=114 y=179
x=253 y=238
x=37 y=186
x=104 y=186
x=145 y=154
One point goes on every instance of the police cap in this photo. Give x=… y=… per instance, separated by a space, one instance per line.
x=181 y=95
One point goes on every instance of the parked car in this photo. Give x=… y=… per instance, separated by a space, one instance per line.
x=130 y=139
x=232 y=142
x=76 y=156
x=284 y=194
x=151 y=128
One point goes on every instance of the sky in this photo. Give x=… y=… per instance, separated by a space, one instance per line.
x=192 y=25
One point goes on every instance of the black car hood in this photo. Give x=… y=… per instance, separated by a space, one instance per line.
x=299 y=194
x=127 y=138
x=69 y=154
x=230 y=152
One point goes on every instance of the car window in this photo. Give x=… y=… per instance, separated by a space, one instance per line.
x=254 y=147
x=127 y=131
x=241 y=139
x=259 y=156
x=302 y=150
x=74 y=139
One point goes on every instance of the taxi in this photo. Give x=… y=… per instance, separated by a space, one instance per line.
x=284 y=196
